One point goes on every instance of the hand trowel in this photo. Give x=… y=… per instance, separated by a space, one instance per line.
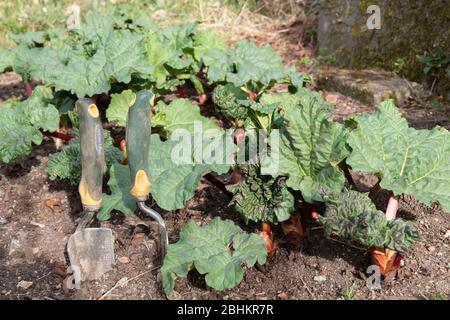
x=90 y=250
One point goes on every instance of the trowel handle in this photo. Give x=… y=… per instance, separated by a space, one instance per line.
x=138 y=143
x=92 y=155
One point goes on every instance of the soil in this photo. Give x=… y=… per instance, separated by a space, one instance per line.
x=37 y=216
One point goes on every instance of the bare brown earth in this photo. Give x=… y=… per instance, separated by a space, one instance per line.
x=38 y=215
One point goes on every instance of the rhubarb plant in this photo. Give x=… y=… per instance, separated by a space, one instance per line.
x=175 y=183
x=249 y=67
x=262 y=198
x=310 y=150
x=21 y=124
x=218 y=250
x=66 y=164
x=352 y=215
x=406 y=160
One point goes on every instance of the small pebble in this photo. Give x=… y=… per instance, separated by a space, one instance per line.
x=123 y=260
x=283 y=295
x=331 y=98
x=320 y=278
x=25 y=284
x=3 y=221
x=447 y=234
x=431 y=248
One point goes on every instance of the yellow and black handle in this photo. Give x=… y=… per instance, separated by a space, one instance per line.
x=92 y=154
x=138 y=143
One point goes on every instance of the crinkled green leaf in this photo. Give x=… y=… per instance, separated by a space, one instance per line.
x=218 y=250
x=120 y=198
x=120 y=56
x=175 y=181
x=262 y=198
x=352 y=215
x=256 y=64
x=206 y=40
x=410 y=161
x=179 y=36
x=6 y=59
x=86 y=61
x=20 y=124
x=29 y=38
x=284 y=100
x=226 y=100
x=66 y=164
x=311 y=147
x=180 y=114
x=218 y=63
x=119 y=106
x=158 y=54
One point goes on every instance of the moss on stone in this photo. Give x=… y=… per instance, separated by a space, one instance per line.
x=408 y=28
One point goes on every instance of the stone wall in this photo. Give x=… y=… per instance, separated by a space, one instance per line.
x=408 y=28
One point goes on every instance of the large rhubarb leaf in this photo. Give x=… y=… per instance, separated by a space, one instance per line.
x=175 y=180
x=218 y=250
x=119 y=55
x=6 y=59
x=218 y=63
x=249 y=65
x=262 y=198
x=158 y=54
x=284 y=100
x=310 y=148
x=120 y=198
x=255 y=64
x=205 y=41
x=180 y=114
x=30 y=38
x=352 y=215
x=66 y=164
x=179 y=36
x=20 y=124
x=85 y=61
x=119 y=106
x=415 y=162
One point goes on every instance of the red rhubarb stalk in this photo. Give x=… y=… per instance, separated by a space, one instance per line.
x=58 y=135
x=392 y=208
x=202 y=98
x=252 y=95
x=266 y=234
x=123 y=148
x=28 y=89
x=181 y=92
x=388 y=260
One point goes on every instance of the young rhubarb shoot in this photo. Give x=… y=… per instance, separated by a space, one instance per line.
x=28 y=89
x=388 y=260
x=266 y=234
x=202 y=98
x=392 y=208
x=123 y=148
x=314 y=215
x=181 y=93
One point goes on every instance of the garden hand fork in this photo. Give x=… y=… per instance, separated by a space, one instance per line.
x=137 y=139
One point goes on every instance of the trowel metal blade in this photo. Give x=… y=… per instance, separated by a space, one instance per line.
x=91 y=253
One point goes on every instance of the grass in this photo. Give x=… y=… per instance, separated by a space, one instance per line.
x=434 y=296
x=348 y=293
x=234 y=19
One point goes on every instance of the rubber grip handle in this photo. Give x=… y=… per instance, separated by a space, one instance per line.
x=138 y=143
x=92 y=154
